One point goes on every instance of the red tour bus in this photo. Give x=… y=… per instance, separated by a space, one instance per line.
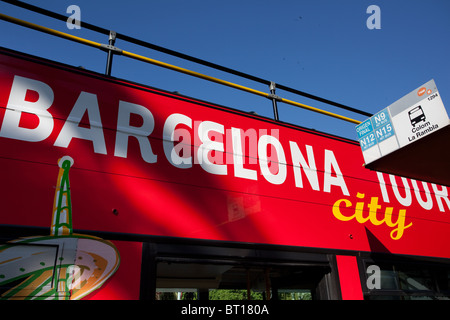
x=115 y=190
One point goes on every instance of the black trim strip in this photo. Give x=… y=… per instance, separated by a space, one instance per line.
x=11 y=232
x=147 y=284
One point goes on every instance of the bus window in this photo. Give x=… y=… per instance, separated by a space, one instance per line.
x=203 y=272
x=192 y=281
x=410 y=281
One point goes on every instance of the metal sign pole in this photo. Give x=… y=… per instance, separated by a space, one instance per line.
x=274 y=98
x=112 y=40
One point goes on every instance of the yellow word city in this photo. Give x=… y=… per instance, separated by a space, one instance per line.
x=361 y=215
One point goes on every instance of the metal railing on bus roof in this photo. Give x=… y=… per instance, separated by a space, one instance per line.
x=111 y=49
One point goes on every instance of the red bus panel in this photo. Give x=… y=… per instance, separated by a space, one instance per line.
x=151 y=162
x=232 y=177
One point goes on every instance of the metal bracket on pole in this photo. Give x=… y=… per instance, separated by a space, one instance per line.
x=274 y=98
x=110 y=48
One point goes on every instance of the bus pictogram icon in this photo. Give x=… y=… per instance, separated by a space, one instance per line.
x=416 y=115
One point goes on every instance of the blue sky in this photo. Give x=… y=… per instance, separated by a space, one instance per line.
x=321 y=47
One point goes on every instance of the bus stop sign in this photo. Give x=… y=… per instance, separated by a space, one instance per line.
x=387 y=135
